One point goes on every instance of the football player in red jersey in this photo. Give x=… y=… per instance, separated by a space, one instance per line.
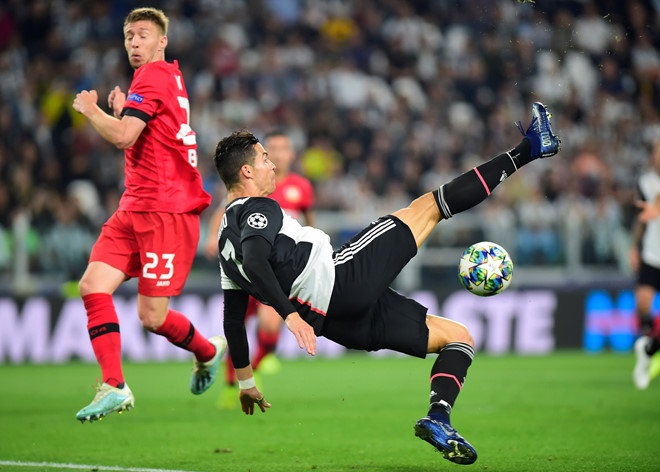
x=154 y=233
x=295 y=195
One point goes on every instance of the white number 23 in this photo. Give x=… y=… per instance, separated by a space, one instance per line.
x=153 y=262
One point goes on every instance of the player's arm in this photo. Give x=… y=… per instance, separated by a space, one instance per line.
x=649 y=210
x=255 y=251
x=120 y=132
x=211 y=245
x=235 y=306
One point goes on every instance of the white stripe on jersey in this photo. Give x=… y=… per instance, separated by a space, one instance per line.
x=347 y=254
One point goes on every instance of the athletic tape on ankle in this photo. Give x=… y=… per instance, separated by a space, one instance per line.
x=246 y=384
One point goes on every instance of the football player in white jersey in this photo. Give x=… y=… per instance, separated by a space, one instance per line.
x=645 y=261
x=344 y=295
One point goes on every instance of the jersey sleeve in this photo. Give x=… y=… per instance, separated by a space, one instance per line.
x=261 y=217
x=146 y=92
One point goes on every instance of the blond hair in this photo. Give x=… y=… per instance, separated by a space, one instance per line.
x=154 y=15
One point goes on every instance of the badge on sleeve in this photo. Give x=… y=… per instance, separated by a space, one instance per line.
x=257 y=221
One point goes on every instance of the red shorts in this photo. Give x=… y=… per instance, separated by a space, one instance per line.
x=159 y=248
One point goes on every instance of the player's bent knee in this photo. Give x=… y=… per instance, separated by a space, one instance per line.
x=463 y=336
x=150 y=321
x=84 y=287
x=443 y=331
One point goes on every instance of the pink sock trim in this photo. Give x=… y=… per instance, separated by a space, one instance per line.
x=482 y=180
x=460 y=387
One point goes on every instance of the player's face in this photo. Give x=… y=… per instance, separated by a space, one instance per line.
x=264 y=171
x=144 y=43
x=280 y=152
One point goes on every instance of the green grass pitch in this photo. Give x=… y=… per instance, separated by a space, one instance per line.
x=565 y=412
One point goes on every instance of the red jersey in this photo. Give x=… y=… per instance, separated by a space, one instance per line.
x=161 y=167
x=295 y=195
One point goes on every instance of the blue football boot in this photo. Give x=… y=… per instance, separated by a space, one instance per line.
x=204 y=373
x=544 y=142
x=441 y=435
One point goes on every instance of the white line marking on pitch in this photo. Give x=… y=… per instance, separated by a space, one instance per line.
x=56 y=465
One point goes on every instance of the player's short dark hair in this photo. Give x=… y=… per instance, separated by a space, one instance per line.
x=154 y=15
x=232 y=153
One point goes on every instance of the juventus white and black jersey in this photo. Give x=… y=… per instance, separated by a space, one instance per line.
x=344 y=296
x=649 y=188
x=301 y=256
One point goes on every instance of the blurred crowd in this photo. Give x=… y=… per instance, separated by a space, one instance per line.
x=383 y=99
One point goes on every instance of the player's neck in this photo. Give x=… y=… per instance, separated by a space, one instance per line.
x=243 y=192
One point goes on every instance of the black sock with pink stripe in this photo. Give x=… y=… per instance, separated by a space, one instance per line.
x=472 y=187
x=447 y=378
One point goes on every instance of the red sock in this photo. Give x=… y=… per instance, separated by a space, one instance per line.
x=103 y=327
x=180 y=331
x=267 y=344
x=230 y=373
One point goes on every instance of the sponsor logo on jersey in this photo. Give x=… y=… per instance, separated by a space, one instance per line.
x=134 y=97
x=257 y=221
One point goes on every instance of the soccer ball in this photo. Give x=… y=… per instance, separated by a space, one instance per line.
x=485 y=269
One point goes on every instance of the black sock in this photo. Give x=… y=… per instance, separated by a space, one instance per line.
x=653 y=346
x=447 y=377
x=472 y=187
x=522 y=153
x=114 y=383
x=645 y=324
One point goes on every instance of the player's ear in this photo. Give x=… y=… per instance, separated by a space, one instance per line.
x=247 y=171
x=163 y=42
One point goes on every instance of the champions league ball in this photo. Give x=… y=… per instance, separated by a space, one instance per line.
x=485 y=269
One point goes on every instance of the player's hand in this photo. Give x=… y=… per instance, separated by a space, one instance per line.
x=649 y=211
x=249 y=398
x=116 y=100
x=85 y=101
x=303 y=332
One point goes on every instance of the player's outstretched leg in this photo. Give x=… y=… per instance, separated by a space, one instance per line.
x=544 y=142
x=447 y=378
x=473 y=187
x=108 y=399
x=204 y=373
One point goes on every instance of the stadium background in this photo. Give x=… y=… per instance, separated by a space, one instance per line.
x=384 y=100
